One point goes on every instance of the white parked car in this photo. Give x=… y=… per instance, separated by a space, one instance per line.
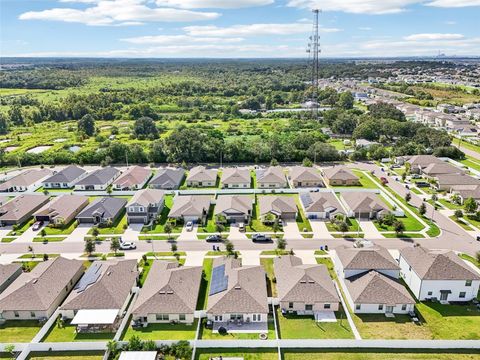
x=127 y=246
x=189 y=226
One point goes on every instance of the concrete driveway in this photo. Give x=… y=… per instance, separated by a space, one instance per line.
x=195 y=258
x=236 y=234
x=250 y=257
x=307 y=256
x=369 y=229
x=79 y=233
x=291 y=231
x=28 y=235
x=132 y=232
x=188 y=235
x=4 y=231
x=320 y=230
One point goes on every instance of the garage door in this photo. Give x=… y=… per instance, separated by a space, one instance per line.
x=85 y=220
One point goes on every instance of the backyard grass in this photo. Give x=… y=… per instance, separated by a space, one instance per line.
x=66 y=355
x=205 y=284
x=19 y=331
x=377 y=354
x=305 y=327
x=267 y=264
x=365 y=180
x=67 y=334
x=163 y=332
x=245 y=354
x=207 y=334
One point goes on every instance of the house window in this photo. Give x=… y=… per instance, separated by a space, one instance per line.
x=308 y=307
x=380 y=307
x=257 y=317
x=290 y=305
x=32 y=314
x=430 y=293
x=468 y=283
x=162 y=317
x=358 y=307
x=15 y=313
x=462 y=294
x=236 y=317
x=326 y=306
x=218 y=317
x=404 y=307
x=182 y=317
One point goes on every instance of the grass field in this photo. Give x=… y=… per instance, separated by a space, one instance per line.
x=267 y=264
x=378 y=354
x=19 y=331
x=245 y=354
x=67 y=334
x=163 y=332
x=66 y=355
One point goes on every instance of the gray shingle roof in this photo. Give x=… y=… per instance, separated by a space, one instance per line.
x=25 y=178
x=111 y=289
x=38 y=289
x=321 y=202
x=366 y=259
x=364 y=201
x=99 y=177
x=234 y=203
x=7 y=271
x=67 y=175
x=147 y=197
x=246 y=290
x=107 y=207
x=21 y=206
x=277 y=204
x=437 y=265
x=200 y=173
x=376 y=288
x=190 y=205
x=303 y=283
x=169 y=289
x=168 y=178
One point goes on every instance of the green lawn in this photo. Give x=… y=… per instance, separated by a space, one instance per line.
x=449 y=204
x=67 y=333
x=302 y=221
x=378 y=354
x=267 y=264
x=65 y=230
x=118 y=226
x=352 y=223
x=305 y=327
x=471 y=163
x=205 y=284
x=365 y=180
x=66 y=355
x=37 y=256
x=21 y=228
x=460 y=223
x=163 y=332
x=19 y=331
x=256 y=224
x=411 y=224
x=160 y=227
x=245 y=354
x=471 y=259
x=405 y=235
x=51 y=239
x=207 y=334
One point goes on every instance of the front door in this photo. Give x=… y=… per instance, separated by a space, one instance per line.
x=389 y=309
x=444 y=295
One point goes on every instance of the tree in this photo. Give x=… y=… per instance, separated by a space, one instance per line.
x=281 y=244
x=345 y=100
x=89 y=246
x=3 y=124
x=10 y=348
x=174 y=247
x=86 y=125
x=229 y=247
x=341 y=226
x=145 y=128
x=220 y=227
x=276 y=226
x=458 y=213
x=112 y=346
x=43 y=233
x=135 y=343
x=168 y=229
x=399 y=227
x=470 y=205
x=114 y=244
x=95 y=232
x=182 y=350
x=45 y=257
x=273 y=162
x=408 y=197
x=422 y=209
x=478 y=256
x=307 y=162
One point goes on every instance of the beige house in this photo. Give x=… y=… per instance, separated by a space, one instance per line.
x=271 y=178
x=321 y=205
x=304 y=177
x=364 y=205
x=28 y=180
x=37 y=294
x=145 y=206
x=169 y=294
x=236 y=178
x=62 y=210
x=21 y=208
x=304 y=289
x=282 y=207
x=446 y=182
x=235 y=208
x=419 y=162
x=200 y=176
x=134 y=178
x=190 y=208
x=340 y=176
x=436 y=169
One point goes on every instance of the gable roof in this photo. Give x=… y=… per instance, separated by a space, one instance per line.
x=235 y=176
x=200 y=173
x=339 y=173
x=376 y=288
x=21 y=206
x=441 y=168
x=321 y=202
x=38 y=289
x=147 y=197
x=110 y=289
x=168 y=177
x=438 y=264
x=25 y=178
x=303 y=283
x=273 y=174
x=467 y=191
x=63 y=206
x=246 y=290
x=99 y=177
x=169 y=289
x=7 y=271
x=277 y=204
x=359 y=201
x=66 y=175
x=106 y=207
x=456 y=179
x=234 y=203
x=366 y=259
x=303 y=173
x=135 y=175
x=423 y=160
x=189 y=205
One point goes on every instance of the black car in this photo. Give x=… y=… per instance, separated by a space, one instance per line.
x=214 y=238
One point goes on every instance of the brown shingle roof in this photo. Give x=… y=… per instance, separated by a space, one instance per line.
x=136 y=175
x=200 y=173
x=273 y=174
x=236 y=203
x=190 y=205
x=63 y=206
x=339 y=173
x=441 y=168
x=25 y=178
x=235 y=176
x=366 y=259
x=7 y=271
x=364 y=201
x=321 y=202
x=423 y=160
x=21 y=206
x=303 y=173
x=277 y=204
x=146 y=197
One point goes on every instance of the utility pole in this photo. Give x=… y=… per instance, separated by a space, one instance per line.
x=314 y=50
x=126 y=157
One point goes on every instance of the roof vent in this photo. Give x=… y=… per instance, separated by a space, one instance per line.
x=35 y=281
x=237 y=287
x=162 y=292
x=109 y=273
x=303 y=281
x=169 y=292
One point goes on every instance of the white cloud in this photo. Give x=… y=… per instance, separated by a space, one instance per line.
x=420 y=37
x=177 y=39
x=365 y=28
x=213 y=4
x=450 y=22
x=118 y=12
x=253 y=30
x=453 y=3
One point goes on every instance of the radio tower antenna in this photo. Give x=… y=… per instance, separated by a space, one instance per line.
x=314 y=50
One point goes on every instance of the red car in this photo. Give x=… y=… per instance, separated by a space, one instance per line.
x=384 y=180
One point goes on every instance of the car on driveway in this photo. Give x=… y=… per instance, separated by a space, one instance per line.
x=189 y=226
x=214 y=238
x=37 y=225
x=261 y=237
x=127 y=246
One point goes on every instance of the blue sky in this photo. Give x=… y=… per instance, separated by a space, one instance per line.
x=237 y=28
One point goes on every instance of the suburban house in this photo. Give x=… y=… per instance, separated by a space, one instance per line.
x=340 y=176
x=234 y=178
x=445 y=182
x=235 y=208
x=237 y=300
x=436 y=169
x=305 y=289
x=134 y=178
x=369 y=277
x=466 y=191
x=302 y=176
x=438 y=274
x=21 y=208
x=200 y=176
x=99 y=179
x=167 y=179
x=8 y=273
x=169 y=294
x=61 y=210
x=36 y=294
x=364 y=205
x=98 y=300
x=282 y=207
x=321 y=205
x=65 y=178
x=271 y=178
x=28 y=180
x=145 y=206
x=190 y=208
x=102 y=211
x=419 y=162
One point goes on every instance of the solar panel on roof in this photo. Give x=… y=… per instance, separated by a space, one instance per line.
x=219 y=281
x=90 y=276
